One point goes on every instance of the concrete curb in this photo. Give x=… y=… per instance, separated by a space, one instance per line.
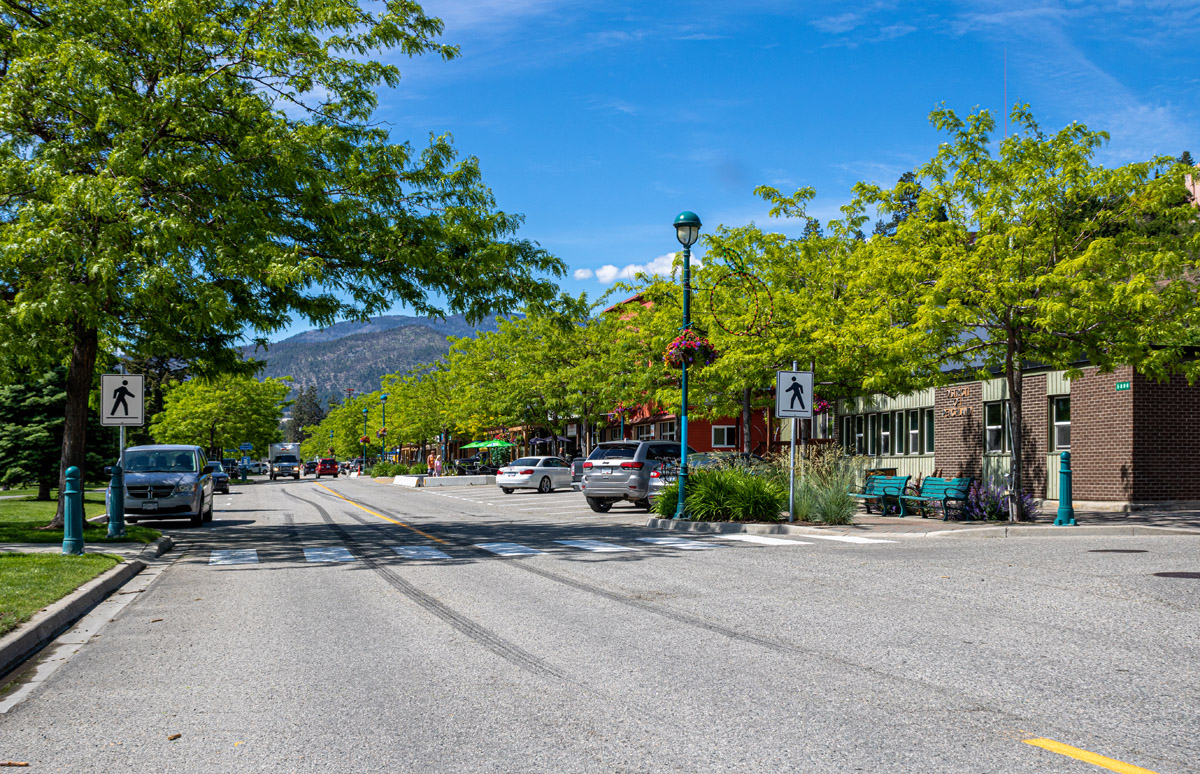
x=1003 y=531
x=29 y=637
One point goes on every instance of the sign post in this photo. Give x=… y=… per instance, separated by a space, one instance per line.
x=122 y=404
x=793 y=400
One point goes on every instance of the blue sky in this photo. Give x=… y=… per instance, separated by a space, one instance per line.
x=600 y=121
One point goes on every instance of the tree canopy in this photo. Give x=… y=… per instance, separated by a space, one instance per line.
x=176 y=172
x=222 y=413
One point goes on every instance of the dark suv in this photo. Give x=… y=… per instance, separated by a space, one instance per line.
x=623 y=470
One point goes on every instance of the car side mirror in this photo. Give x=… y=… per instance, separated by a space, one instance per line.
x=206 y=470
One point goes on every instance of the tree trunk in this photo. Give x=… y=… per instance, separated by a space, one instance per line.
x=746 y=420
x=79 y=388
x=44 y=486
x=1015 y=385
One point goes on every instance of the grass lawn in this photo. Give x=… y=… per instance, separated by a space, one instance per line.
x=20 y=519
x=29 y=582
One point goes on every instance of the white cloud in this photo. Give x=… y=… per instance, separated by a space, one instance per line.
x=608 y=273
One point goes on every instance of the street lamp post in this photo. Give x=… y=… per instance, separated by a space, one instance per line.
x=687 y=231
x=364 y=462
x=330 y=443
x=383 y=438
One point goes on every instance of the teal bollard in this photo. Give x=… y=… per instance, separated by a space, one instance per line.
x=72 y=513
x=116 y=503
x=1066 y=512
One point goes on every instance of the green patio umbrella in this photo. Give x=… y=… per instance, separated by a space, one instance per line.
x=472 y=445
x=496 y=444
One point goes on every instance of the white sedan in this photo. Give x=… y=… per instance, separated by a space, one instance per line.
x=540 y=473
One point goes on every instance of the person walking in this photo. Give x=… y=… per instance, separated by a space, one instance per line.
x=429 y=462
x=437 y=465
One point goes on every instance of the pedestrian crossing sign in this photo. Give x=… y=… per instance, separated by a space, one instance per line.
x=121 y=400
x=793 y=394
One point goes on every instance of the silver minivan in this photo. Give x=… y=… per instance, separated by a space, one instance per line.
x=168 y=481
x=626 y=470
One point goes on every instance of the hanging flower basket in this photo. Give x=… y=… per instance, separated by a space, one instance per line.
x=364 y=439
x=691 y=348
x=820 y=405
x=381 y=432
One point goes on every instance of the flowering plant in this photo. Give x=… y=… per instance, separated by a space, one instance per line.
x=691 y=348
x=364 y=439
x=820 y=405
x=381 y=432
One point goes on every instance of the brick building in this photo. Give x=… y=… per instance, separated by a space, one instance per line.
x=1133 y=441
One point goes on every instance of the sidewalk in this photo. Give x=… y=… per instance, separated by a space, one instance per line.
x=1089 y=523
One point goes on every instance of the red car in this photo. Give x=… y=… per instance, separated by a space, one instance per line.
x=327 y=467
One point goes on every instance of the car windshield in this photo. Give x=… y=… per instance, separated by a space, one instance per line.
x=286 y=458
x=525 y=462
x=216 y=466
x=329 y=461
x=160 y=462
x=623 y=451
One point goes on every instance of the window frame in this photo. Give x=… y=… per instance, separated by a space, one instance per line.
x=1056 y=424
x=644 y=432
x=1002 y=427
x=725 y=431
x=664 y=434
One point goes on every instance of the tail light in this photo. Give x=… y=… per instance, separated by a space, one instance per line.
x=527 y=472
x=634 y=465
x=587 y=466
x=656 y=474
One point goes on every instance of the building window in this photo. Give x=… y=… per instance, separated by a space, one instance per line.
x=885 y=433
x=995 y=426
x=724 y=436
x=914 y=432
x=872 y=434
x=666 y=431
x=645 y=432
x=898 y=433
x=929 y=420
x=848 y=434
x=1062 y=423
x=860 y=437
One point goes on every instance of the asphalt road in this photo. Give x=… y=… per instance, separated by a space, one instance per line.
x=704 y=655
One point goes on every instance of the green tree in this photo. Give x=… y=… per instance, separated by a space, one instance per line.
x=306 y=415
x=222 y=412
x=1044 y=257
x=31 y=419
x=175 y=172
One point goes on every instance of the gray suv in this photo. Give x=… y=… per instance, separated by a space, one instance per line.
x=626 y=470
x=168 y=482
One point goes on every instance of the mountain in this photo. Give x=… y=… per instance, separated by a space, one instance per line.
x=358 y=354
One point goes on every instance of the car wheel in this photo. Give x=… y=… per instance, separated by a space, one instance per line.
x=335 y=475
x=297 y=476
x=643 y=504
x=197 y=519
x=208 y=515
x=318 y=476
x=599 y=506
x=544 y=486
x=506 y=490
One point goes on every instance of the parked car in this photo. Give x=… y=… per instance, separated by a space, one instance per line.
x=479 y=465
x=540 y=473
x=577 y=474
x=327 y=466
x=623 y=470
x=257 y=467
x=231 y=467
x=724 y=460
x=220 y=477
x=310 y=466
x=168 y=481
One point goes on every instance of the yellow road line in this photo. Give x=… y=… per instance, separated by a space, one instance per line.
x=1112 y=764
x=381 y=516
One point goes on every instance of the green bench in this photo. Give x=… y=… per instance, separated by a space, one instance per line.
x=948 y=494
x=881 y=488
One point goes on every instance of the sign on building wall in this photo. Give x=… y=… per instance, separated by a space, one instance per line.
x=957 y=394
x=1122 y=386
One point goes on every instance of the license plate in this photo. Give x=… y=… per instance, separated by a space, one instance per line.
x=149 y=506
x=607 y=471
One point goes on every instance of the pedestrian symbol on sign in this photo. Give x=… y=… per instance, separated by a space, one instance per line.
x=797 y=391
x=121 y=396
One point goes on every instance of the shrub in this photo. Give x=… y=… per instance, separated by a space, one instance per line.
x=824 y=477
x=985 y=500
x=724 y=494
x=399 y=469
x=418 y=469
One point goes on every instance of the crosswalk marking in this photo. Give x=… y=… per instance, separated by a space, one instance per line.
x=680 y=543
x=234 y=556
x=508 y=549
x=420 y=552
x=849 y=539
x=331 y=554
x=594 y=545
x=763 y=540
